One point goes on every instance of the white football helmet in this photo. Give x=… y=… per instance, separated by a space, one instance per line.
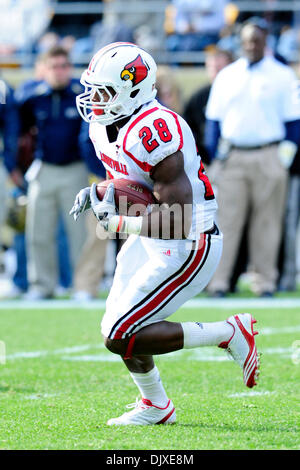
x=120 y=78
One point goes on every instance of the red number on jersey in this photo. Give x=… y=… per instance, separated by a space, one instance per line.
x=209 y=194
x=163 y=130
x=146 y=135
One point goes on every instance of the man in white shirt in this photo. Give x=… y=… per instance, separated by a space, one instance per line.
x=253 y=107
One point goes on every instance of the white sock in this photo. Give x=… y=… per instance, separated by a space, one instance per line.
x=151 y=387
x=197 y=334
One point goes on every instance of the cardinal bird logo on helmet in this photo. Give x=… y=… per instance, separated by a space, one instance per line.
x=136 y=71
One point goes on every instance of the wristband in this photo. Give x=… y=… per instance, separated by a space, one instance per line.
x=125 y=224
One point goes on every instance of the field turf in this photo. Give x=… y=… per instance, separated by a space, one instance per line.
x=59 y=386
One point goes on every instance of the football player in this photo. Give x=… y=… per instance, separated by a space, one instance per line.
x=173 y=251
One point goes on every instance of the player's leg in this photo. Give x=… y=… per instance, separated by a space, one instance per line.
x=155 y=291
x=154 y=407
x=142 y=330
x=142 y=369
x=164 y=337
x=146 y=377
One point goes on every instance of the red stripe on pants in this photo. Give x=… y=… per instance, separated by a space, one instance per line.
x=154 y=303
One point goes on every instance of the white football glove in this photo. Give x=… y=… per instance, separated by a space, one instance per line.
x=106 y=208
x=82 y=203
x=286 y=153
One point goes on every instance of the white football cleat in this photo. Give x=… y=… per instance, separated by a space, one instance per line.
x=241 y=346
x=145 y=413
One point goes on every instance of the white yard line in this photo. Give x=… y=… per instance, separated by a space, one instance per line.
x=226 y=304
x=250 y=394
x=93 y=358
x=39 y=396
x=68 y=350
x=267 y=331
x=51 y=305
x=199 y=354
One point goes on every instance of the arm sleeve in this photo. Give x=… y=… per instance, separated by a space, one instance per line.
x=290 y=97
x=292 y=131
x=88 y=153
x=25 y=114
x=211 y=137
x=11 y=128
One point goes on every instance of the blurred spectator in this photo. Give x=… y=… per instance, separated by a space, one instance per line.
x=146 y=26
x=112 y=27
x=168 y=91
x=194 y=112
x=229 y=35
x=47 y=41
x=22 y=22
x=252 y=108
x=229 y=39
x=57 y=172
x=197 y=24
x=288 y=44
x=76 y=25
x=15 y=219
x=9 y=129
x=17 y=200
x=288 y=279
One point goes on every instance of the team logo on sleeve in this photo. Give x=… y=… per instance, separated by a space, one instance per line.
x=136 y=71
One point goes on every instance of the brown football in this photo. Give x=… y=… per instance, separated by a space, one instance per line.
x=131 y=197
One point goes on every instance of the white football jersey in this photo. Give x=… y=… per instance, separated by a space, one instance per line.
x=151 y=135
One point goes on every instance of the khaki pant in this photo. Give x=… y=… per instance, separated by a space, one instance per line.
x=51 y=194
x=251 y=186
x=90 y=267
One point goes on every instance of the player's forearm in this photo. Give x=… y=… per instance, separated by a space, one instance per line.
x=166 y=223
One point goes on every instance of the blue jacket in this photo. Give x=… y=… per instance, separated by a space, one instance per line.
x=61 y=137
x=9 y=127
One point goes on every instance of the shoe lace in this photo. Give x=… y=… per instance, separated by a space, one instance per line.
x=137 y=404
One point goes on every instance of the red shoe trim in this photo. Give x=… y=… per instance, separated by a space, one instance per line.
x=149 y=403
x=251 y=343
x=166 y=417
x=224 y=344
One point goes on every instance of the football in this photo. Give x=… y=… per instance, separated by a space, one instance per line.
x=131 y=197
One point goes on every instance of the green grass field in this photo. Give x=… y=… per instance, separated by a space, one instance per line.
x=59 y=386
